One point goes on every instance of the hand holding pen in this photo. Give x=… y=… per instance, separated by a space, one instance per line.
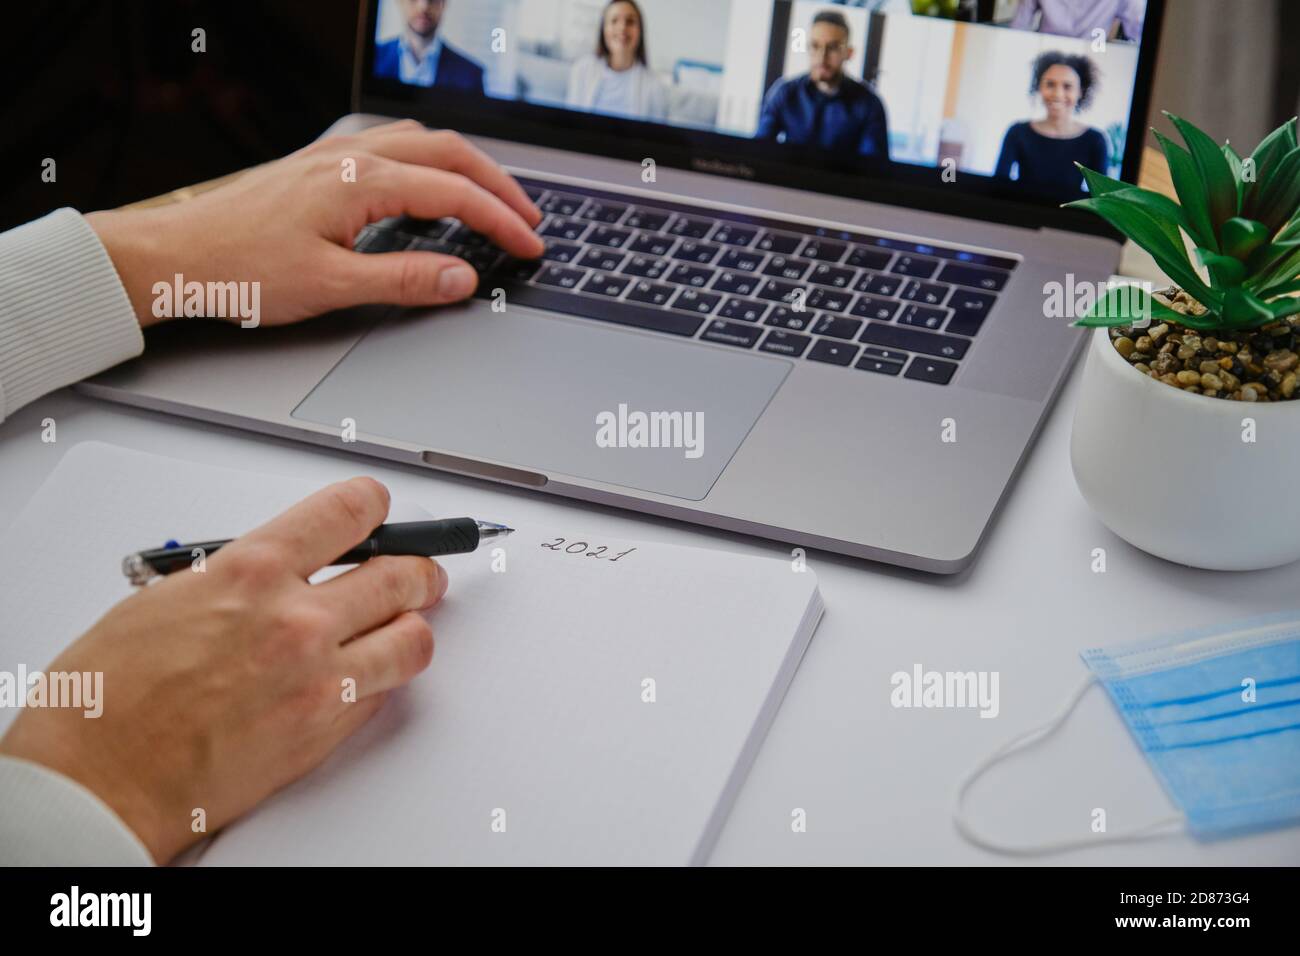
x=428 y=539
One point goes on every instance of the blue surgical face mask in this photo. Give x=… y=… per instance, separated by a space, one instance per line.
x=1217 y=713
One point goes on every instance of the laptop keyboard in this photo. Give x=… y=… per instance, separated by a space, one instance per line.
x=871 y=303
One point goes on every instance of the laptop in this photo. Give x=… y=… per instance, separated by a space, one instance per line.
x=799 y=267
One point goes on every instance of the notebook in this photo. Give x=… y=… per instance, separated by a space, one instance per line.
x=591 y=701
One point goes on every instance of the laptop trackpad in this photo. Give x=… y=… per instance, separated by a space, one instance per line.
x=554 y=394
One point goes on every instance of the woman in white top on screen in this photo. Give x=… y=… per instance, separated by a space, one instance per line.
x=616 y=78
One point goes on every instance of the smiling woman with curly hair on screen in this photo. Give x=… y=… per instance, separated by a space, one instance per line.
x=1040 y=155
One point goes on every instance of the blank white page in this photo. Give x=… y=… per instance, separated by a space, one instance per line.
x=535 y=737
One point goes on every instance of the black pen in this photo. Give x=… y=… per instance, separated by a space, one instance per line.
x=428 y=539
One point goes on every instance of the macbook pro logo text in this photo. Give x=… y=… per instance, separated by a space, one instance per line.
x=722 y=167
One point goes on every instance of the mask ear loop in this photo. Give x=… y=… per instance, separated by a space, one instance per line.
x=1028 y=739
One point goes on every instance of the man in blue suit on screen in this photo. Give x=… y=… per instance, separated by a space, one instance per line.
x=421 y=57
x=826 y=107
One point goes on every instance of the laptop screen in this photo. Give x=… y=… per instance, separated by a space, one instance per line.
x=995 y=97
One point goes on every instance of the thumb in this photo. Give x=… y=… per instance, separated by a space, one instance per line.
x=408 y=278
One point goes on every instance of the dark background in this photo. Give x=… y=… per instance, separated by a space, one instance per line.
x=112 y=91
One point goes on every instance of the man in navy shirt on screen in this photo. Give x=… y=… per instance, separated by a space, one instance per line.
x=419 y=55
x=825 y=107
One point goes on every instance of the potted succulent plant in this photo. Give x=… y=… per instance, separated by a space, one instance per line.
x=1187 y=433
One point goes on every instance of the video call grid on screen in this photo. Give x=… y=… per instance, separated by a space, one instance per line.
x=938 y=93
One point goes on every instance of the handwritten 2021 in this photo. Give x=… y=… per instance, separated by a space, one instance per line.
x=581 y=547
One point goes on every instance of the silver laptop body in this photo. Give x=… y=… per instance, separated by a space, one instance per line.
x=884 y=464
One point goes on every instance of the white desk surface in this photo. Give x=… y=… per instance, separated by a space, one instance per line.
x=877 y=783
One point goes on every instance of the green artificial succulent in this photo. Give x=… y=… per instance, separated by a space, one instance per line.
x=1242 y=215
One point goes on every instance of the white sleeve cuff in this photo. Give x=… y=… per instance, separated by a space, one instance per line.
x=51 y=820
x=64 y=314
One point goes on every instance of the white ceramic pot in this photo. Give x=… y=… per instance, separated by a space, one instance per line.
x=1169 y=472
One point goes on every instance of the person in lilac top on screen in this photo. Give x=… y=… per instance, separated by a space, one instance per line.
x=1040 y=155
x=1079 y=18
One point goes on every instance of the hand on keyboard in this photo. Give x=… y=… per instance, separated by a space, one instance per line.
x=892 y=306
x=290 y=225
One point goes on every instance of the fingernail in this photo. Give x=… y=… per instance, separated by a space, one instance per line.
x=441 y=587
x=456 y=282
